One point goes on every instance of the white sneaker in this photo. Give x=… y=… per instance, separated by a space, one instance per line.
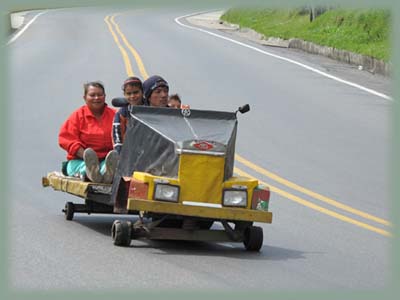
x=92 y=165
x=111 y=163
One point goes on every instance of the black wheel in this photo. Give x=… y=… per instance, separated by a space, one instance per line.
x=253 y=238
x=69 y=211
x=121 y=233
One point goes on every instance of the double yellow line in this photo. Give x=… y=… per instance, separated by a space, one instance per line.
x=117 y=35
x=315 y=196
x=110 y=21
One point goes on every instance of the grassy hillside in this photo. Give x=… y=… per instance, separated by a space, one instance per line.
x=362 y=31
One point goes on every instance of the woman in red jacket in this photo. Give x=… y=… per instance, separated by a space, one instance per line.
x=86 y=136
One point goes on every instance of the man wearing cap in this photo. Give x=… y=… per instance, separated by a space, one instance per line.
x=156 y=91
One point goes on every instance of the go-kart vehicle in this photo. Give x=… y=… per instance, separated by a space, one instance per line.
x=175 y=173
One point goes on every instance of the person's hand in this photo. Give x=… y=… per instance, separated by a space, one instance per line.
x=79 y=153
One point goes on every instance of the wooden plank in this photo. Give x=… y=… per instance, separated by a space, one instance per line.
x=70 y=185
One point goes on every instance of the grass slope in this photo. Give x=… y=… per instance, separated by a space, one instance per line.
x=364 y=31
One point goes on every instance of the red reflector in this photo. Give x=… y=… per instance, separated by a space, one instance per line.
x=260 y=199
x=138 y=189
x=203 y=145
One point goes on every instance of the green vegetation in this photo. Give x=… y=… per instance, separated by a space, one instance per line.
x=364 y=31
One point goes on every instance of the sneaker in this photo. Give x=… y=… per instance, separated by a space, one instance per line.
x=110 y=166
x=92 y=165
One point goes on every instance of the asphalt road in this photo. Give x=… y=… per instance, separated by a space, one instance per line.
x=320 y=134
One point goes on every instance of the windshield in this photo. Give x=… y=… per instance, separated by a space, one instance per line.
x=200 y=125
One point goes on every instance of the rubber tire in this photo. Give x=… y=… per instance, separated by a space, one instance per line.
x=121 y=233
x=69 y=211
x=253 y=238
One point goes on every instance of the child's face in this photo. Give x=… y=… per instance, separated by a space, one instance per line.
x=174 y=103
x=133 y=94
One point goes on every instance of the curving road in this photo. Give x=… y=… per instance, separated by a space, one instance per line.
x=322 y=145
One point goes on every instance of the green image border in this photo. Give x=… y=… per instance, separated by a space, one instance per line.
x=392 y=290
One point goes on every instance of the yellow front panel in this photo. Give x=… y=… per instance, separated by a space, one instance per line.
x=201 y=177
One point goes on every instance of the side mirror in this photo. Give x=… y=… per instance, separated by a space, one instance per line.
x=243 y=109
x=119 y=102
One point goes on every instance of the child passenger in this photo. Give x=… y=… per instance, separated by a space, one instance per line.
x=174 y=101
x=133 y=92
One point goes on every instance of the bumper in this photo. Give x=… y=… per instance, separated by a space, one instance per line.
x=220 y=213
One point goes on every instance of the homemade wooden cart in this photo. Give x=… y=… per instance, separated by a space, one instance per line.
x=175 y=174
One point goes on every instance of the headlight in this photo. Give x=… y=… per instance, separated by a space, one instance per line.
x=166 y=192
x=235 y=197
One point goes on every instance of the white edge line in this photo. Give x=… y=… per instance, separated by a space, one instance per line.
x=24 y=28
x=365 y=89
x=202 y=204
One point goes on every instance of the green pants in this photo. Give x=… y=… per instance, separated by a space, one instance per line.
x=77 y=167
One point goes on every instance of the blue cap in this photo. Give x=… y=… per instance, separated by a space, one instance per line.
x=151 y=83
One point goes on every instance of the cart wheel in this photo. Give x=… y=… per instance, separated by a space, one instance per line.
x=69 y=211
x=121 y=233
x=253 y=238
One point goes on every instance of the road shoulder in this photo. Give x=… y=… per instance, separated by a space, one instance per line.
x=212 y=20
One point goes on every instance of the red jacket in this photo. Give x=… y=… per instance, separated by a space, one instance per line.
x=82 y=129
